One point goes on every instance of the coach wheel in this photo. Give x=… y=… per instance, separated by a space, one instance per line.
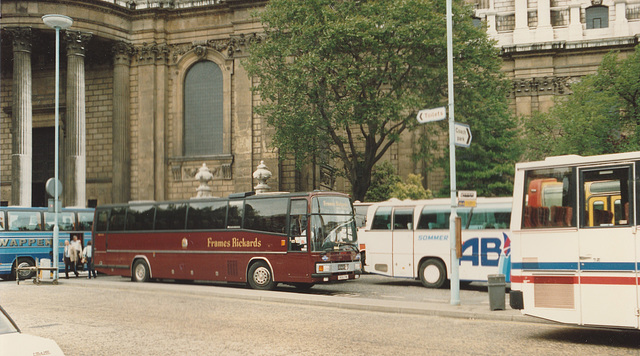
x=260 y=276
x=140 y=272
x=27 y=262
x=432 y=273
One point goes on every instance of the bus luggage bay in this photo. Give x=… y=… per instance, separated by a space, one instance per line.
x=410 y=239
x=294 y=238
x=575 y=244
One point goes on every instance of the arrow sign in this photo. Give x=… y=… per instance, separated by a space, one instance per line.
x=429 y=115
x=463 y=135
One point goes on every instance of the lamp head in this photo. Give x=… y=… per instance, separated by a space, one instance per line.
x=60 y=22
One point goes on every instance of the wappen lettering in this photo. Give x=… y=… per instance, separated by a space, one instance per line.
x=25 y=242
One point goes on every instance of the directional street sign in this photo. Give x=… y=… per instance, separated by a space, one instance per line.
x=463 y=135
x=429 y=115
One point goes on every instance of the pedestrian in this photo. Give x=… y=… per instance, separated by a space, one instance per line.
x=74 y=255
x=67 y=258
x=87 y=253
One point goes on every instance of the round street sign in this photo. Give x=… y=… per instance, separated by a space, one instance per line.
x=51 y=188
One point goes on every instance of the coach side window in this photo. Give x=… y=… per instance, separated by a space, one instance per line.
x=102 y=219
x=605 y=197
x=403 y=219
x=382 y=219
x=170 y=216
x=140 y=217
x=550 y=199
x=207 y=215
x=269 y=215
x=433 y=220
x=24 y=221
x=234 y=214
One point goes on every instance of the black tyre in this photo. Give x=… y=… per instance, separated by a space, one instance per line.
x=260 y=276
x=23 y=262
x=432 y=273
x=140 y=272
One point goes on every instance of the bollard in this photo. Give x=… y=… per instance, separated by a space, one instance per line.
x=497 y=290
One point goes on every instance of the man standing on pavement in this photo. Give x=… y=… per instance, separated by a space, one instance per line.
x=87 y=253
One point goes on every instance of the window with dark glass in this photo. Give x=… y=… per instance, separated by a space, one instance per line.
x=549 y=199
x=434 y=219
x=140 y=217
x=102 y=220
x=382 y=219
x=403 y=219
x=207 y=215
x=597 y=17
x=269 y=215
x=203 y=110
x=234 y=214
x=170 y=216
x=116 y=218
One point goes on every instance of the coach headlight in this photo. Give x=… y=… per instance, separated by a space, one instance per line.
x=323 y=268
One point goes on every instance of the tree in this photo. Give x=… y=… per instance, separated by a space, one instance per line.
x=344 y=79
x=411 y=189
x=383 y=180
x=601 y=116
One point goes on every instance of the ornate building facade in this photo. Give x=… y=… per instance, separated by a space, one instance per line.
x=153 y=89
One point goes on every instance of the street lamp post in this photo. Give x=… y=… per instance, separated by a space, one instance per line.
x=57 y=22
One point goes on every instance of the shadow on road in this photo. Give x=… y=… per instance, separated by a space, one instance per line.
x=598 y=337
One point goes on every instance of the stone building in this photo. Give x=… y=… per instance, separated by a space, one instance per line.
x=150 y=90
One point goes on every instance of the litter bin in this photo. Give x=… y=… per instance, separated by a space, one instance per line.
x=497 y=290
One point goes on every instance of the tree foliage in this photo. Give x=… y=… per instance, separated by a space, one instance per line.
x=411 y=189
x=383 y=180
x=343 y=79
x=601 y=116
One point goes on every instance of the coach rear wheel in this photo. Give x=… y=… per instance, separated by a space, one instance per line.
x=432 y=273
x=260 y=276
x=140 y=271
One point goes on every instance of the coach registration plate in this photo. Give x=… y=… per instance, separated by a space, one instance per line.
x=343 y=276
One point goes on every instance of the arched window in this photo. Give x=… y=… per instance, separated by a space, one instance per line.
x=203 y=100
x=597 y=17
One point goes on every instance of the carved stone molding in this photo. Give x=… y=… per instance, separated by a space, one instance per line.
x=22 y=38
x=542 y=86
x=231 y=47
x=76 y=42
x=152 y=53
x=122 y=52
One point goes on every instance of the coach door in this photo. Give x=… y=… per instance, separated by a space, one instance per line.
x=607 y=246
x=403 y=242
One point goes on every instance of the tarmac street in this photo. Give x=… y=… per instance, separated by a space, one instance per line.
x=113 y=316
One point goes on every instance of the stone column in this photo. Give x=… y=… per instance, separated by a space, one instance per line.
x=544 y=32
x=575 y=27
x=152 y=97
x=621 y=25
x=521 y=30
x=121 y=149
x=75 y=146
x=22 y=123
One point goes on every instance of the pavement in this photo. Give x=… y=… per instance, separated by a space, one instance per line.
x=469 y=308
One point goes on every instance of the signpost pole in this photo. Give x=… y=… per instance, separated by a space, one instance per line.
x=455 y=274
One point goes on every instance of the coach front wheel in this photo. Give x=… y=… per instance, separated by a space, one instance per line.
x=25 y=262
x=140 y=271
x=432 y=273
x=260 y=276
